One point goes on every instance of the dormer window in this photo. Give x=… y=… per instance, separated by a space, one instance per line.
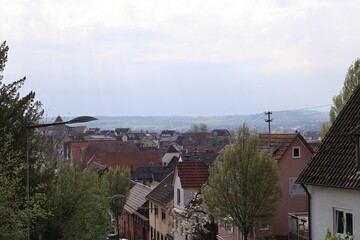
x=296 y=152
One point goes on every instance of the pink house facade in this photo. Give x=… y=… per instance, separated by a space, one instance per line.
x=292 y=153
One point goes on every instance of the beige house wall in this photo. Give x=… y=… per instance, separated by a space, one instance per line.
x=162 y=226
x=167 y=158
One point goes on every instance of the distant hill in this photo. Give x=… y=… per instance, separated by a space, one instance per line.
x=284 y=121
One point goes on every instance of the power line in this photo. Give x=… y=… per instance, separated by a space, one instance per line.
x=327 y=105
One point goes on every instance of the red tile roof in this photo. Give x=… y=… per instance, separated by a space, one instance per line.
x=280 y=142
x=192 y=174
x=131 y=160
x=58 y=119
x=86 y=150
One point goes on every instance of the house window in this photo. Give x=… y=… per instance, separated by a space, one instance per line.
x=295 y=189
x=156 y=210
x=229 y=227
x=178 y=196
x=296 y=152
x=163 y=214
x=343 y=222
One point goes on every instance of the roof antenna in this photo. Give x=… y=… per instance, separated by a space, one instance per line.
x=269 y=121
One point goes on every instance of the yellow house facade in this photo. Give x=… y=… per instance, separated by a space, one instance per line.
x=160 y=204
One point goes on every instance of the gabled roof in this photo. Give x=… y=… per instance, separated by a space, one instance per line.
x=280 y=142
x=220 y=132
x=192 y=174
x=130 y=160
x=167 y=132
x=172 y=164
x=122 y=130
x=86 y=150
x=136 y=197
x=207 y=157
x=334 y=163
x=173 y=148
x=58 y=119
x=202 y=149
x=157 y=173
x=164 y=192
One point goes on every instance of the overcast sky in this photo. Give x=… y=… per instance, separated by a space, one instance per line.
x=180 y=57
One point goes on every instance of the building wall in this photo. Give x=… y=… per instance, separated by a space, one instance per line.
x=156 y=222
x=167 y=158
x=290 y=167
x=185 y=197
x=323 y=202
x=224 y=234
x=127 y=225
x=185 y=194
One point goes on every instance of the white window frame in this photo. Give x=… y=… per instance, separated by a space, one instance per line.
x=293 y=152
x=300 y=192
x=335 y=224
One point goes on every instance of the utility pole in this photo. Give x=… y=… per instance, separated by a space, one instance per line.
x=269 y=121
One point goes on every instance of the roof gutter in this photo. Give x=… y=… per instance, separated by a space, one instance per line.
x=309 y=207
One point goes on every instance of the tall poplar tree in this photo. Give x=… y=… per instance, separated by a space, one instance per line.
x=243 y=186
x=352 y=80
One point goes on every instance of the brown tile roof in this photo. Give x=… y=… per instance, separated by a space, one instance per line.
x=136 y=197
x=334 y=163
x=280 y=142
x=193 y=174
x=164 y=192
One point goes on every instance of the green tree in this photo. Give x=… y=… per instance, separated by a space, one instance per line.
x=352 y=80
x=117 y=182
x=17 y=111
x=12 y=213
x=243 y=186
x=78 y=203
x=198 y=135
